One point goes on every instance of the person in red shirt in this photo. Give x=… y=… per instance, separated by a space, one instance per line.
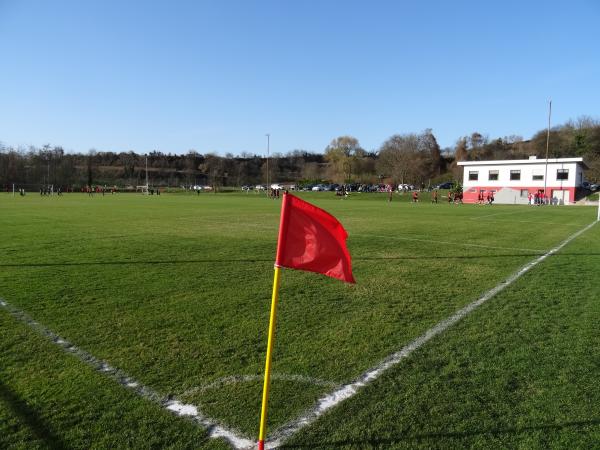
x=415 y=196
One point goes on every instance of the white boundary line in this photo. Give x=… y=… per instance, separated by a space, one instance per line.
x=349 y=390
x=322 y=405
x=214 y=429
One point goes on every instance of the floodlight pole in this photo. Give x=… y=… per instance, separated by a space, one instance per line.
x=547 y=147
x=147 y=192
x=268 y=150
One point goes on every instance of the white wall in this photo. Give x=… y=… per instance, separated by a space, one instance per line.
x=527 y=172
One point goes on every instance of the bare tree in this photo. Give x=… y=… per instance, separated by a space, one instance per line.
x=399 y=158
x=460 y=154
x=431 y=151
x=343 y=153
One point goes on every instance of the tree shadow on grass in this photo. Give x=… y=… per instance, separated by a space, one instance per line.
x=30 y=418
x=371 y=442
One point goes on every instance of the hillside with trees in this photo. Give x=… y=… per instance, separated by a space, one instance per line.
x=414 y=158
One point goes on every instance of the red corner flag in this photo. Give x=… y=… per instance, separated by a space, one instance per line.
x=312 y=239
x=309 y=239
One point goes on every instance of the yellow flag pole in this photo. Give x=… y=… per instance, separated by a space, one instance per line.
x=267 y=382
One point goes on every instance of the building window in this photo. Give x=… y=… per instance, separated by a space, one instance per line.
x=524 y=193
x=515 y=175
x=493 y=175
x=473 y=175
x=562 y=174
x=538 y=177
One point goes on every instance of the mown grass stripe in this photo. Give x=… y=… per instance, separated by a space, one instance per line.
x=235 y=379
x=460 y=244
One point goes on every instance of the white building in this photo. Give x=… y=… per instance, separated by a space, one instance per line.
x=514 y=181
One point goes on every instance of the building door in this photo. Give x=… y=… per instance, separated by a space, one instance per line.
x=561 y=196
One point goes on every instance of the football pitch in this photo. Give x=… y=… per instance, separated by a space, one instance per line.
x=119 y=308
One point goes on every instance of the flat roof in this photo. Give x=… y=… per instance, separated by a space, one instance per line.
x=523 y=161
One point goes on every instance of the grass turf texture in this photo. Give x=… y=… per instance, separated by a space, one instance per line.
x=49 y=399
x=175 y=290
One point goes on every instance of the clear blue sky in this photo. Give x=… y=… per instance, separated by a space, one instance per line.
x=218 y=75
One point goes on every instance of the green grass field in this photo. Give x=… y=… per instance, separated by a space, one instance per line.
x=175 y=291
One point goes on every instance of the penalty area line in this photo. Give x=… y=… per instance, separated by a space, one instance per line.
x=349 y=390
x=214 y=429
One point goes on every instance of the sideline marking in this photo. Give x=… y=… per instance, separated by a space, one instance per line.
x=347 y=391
x=213 y=428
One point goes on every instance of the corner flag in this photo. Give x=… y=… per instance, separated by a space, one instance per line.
x=309 y=239
x=312 y=239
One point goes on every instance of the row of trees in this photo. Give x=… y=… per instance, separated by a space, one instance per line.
x=576 y=138
x=414 y=158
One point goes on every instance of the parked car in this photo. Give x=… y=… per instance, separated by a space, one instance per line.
x=246 y=188
x=446 y=185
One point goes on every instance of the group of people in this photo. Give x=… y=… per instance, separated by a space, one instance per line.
x=537 y=198
x=48 y=190
x=455 y=197
x=91 y=190
x=485 y=198
x=342 y=191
